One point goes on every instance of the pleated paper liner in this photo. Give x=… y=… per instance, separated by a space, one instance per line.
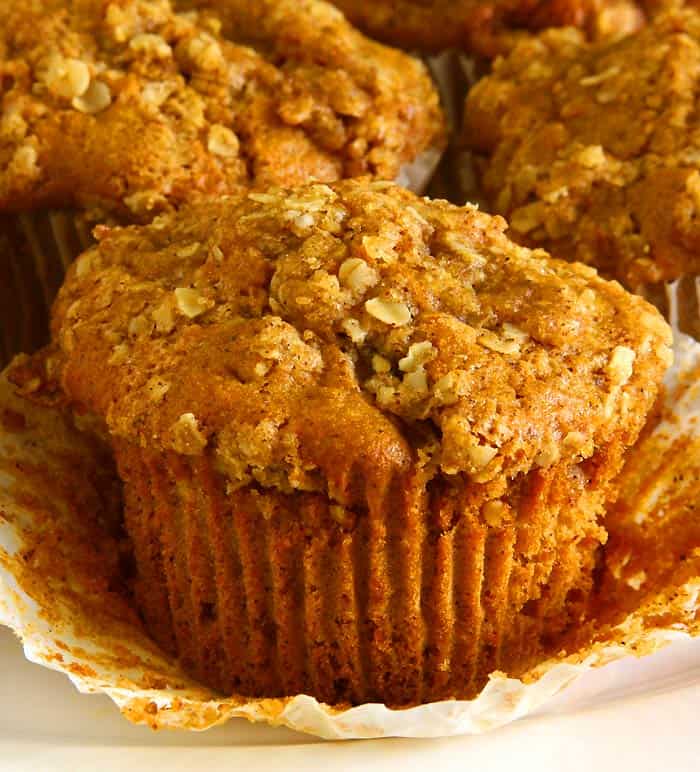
x=415 y=600
x=36 y=248
x=679 y=302
x=61 y=584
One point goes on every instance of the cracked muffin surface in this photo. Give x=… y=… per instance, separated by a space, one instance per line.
x=592 y=151
x=132 y=108
x=361 y=304
x=486 y=27
x=366 y=440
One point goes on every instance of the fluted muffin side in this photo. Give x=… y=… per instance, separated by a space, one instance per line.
x=415 y=597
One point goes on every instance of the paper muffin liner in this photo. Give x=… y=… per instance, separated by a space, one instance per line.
x=36 y=249
x=61 y=590
x=417 y=599
x=416 y=175
x=454 y=73
x=678 y=301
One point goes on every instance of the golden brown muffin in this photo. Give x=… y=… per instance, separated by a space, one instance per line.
x=126 y=109
x=366 y=440
x=592 y=151
x=485 y=27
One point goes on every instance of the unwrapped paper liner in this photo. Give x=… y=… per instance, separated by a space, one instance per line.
x=60 y=563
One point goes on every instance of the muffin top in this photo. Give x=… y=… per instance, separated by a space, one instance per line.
x=131 y=108
x=311 y=336
x=485 y=27
x=593 y=150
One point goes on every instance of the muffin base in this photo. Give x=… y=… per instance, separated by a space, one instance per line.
x=413 y=600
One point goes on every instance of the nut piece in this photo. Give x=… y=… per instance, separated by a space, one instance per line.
x=494 y=513
x=637 y=580
x=24 y=161
x=511 y=332
x=355 y=274
x=481 y=455
x=418 y=354
x=417 y=381
x=574 y=441
x=187 y=436
x=163 y=317
x=206 y=53
x=389 y=312
x=621 y=365
x=354 y=330
x=188 y=249
x=97 y=98
x=153 y=45
x=379 y=249
x=157 y=388
x=591 y=156
x=140 y=326
x=380 y=364
x=67 y=78
x=447 y=390
x=547 y=456
x=501 y=346
x=222 y=141
x=190 y=303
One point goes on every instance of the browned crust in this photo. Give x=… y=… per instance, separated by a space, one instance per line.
x=174 y=110
x=485 y=28
x=301 y=331
x=591 y=150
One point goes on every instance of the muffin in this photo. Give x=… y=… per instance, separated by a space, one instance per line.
x=122 y=110
x=592 y=151
x=366 y=440
x=485 y=27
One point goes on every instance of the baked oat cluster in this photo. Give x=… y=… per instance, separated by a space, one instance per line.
x=131 y=107
x=286 y=330
x=486 y=27
x=592 y=150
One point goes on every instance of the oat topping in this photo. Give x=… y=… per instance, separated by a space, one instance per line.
x=224 y=329
x=132 y=107
x=187 y=436
x=96 y=98
x=592 y=150
x=485 y=27
x=388 y=311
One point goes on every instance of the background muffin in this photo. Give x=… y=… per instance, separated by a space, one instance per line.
x=126 y=109
x=593 y=151
x=366 y=440
x=485 y=27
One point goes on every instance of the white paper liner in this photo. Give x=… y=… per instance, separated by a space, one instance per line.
x=57 y=569
x=416 y=176
x=454 y=74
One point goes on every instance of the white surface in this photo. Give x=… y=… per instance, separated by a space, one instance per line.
x=639 y=715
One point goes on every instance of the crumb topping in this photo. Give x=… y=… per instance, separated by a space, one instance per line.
x=592 y=151
x=131 y=107
x=227 y=329
x=485 y=27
